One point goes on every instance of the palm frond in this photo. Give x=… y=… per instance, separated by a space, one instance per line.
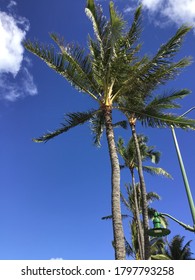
x=135 y=29
x=166 y=101
x=157 y=246
x=97 y=125
x=186 y=251
x=128 y=154
x=116 y=22
x=128 y=249
x=125 y=202
x=160 y=257
x=107 y=217
x=98 y=68
x=161 y=68
x=156 y=171
x=95 y=14
x=122 y=124
x=71 y=120
x=124 y=216
x=72 y=64
x=120 y=146
x=152 y=75
x=168 y=50
x=176 y=250
x=152 y=196
x=153 y=118
x=168 y=120
x=125 y=152
x=78 y=61
x=154 y=156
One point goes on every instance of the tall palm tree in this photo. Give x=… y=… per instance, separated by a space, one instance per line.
x=107 y=72
x=150 y=110
x=131 y=201
x=129 y=156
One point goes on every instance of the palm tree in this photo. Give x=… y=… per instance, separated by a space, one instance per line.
x=150 y=110
x=128 y=153
x=131 y=202
x=109 y=71
x=175 y=250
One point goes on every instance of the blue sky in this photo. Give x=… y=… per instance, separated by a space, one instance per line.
x=52 y=196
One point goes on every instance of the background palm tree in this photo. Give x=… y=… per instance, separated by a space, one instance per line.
x=151 y=113
x=148 y=153
x=175 y=250
x=128 y=153
x=108 y=73
x=130 y=203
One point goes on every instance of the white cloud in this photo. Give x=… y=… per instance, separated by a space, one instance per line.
x=11 y=4
x=128 y=10
x=15 y=78
x=11 y=49
x=11 y=88
x=176 y=11
x=152 y=4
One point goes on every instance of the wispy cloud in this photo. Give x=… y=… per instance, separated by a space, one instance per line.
x=128 y=9
x=15 y=78
x=163 y=12
x=172 y=11
x=11 y=4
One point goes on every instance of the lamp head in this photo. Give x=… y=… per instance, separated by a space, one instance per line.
x=158 y=230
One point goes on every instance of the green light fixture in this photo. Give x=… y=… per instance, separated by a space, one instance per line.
x=158 y=230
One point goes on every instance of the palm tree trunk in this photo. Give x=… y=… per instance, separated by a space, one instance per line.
x=139 y=226
x=143 y=191
x=119 y=241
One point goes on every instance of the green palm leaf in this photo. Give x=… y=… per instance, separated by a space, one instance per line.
x=97 y=124
x=110 y=217
x=156 y=171
x=72 y=64
x=166 y=101
x=153 y=118
x=129 y=250
x=168 y=50
x=136 y=28
x=95 y=14
x=176 y=250
x=163 y=59
x=117 y=23
x=71 y=120
x=160 y=257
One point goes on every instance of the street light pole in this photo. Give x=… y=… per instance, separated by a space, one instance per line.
x=185 y=178
x=187 y=227
x=158 y=231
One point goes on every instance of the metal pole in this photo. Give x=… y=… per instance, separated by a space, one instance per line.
x=185 y=178
x=187 y=227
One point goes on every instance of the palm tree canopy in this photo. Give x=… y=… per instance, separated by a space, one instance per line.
x=110 y=71
x=173 y=250
x=128 y=153
x=176 y=250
